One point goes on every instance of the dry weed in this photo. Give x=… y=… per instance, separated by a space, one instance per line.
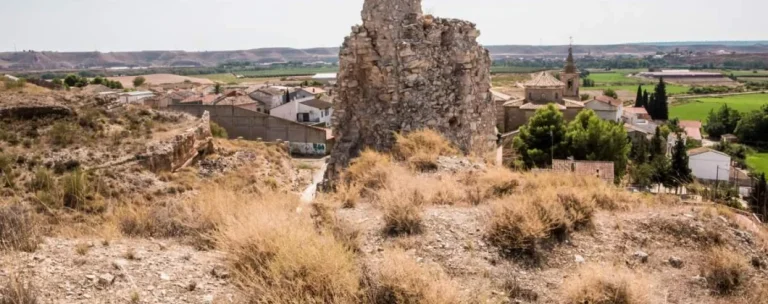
x=606 y=286
x=18 y=228
x=423 y=142
x=17 y=291
x=326 y=221
x=725 y=270
x=402 y=208
x=400 y=279
x=495 y=182
x=82 y=248
x=372 y=170
x=277 y=256
x=348 y=194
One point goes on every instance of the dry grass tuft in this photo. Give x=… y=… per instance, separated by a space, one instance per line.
x=372 y=170
x=400 y=279
x=348 y=194
x=757 y=293
x=16 y=291
x=495 y=182
x=82 y=248
x=522 y=223
x=402 y=208
x=18 y=228
x=606 y=286
x=326 y=222
x=277 y=255
x=423 y=142
x=725 y=270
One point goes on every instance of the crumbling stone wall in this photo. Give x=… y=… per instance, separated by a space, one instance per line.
x=402 y=71
x=181 y=150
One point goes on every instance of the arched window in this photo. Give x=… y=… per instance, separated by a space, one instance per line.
x=543 y=96
x=570 y=84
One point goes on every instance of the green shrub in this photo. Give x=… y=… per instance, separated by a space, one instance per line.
x=43 y=180
x=77 y=192
x=218 y=131
x=63 y=134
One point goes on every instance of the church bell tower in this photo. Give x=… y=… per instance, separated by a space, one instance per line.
x=570 y=76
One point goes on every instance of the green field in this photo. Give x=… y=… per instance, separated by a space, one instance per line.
x=698 y=109
x=512 y=69
x=758 y=162
x=619 y=81
x=616 y=78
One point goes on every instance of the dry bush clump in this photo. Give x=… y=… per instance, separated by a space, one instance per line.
x=18 y=228
x=757 y=292
x=326 y=221
x=372 y=170
x=276 y=255
x=17 y=291
x=522 y=223
x=423 y=142
x=400 y=279
x=495 y=182
x=725 y=270
x=348 y=194
x=402 y=208
x=606 y=286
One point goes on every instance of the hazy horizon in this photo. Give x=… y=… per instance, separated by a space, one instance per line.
x=198 y=25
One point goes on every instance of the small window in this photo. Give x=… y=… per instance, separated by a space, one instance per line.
x=530 y=95
x=557 y=96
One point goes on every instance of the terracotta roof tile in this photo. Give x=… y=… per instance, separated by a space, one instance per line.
x=608 y=100
x=544 y=79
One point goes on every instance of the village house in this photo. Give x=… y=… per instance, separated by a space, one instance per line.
x=272 y=97
x=134 y=97
x=241 y=100
x=312 y=111
x=200 y=99
x=709 y=165
x=307 y=93
x=606 y=107
x=635 y=115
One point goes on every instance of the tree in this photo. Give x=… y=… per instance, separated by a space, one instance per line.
x=661 y=100
x=97 y=80
x=646 y=98
x=138 y=81
x=753 y=127
x=584 y=97
x=661 y=170
x=217 y=88
x=610 y=93
x=591 y=138
x=71 y=80
x=722 y=122
x=758 y=198
x=657 y=144
x=679 y=169
x=642 y=175
x=542 y=138
x=651 y=105
x=639 y=98
x=640 y=152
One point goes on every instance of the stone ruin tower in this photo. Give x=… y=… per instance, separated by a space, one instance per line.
x=402 y=71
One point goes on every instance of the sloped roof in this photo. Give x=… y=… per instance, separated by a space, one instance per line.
x=313 y=90
x=608 y=100
x=694 y=133
x=690 y=124
x=636 y=110
x=237 y=100
x=535 y=106
x=703 y=150
x=318 y=104
x=573 y=104
x=271 y=91
x=498 y=96
x=544 y=79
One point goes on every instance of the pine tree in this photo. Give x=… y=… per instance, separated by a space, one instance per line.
x=662 y=107
x=758 y=199
x=639 y=98
x=681 y=172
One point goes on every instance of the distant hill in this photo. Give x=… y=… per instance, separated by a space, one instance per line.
x=31 y=60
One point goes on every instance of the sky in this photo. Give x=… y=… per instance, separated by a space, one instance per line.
x=208 y=25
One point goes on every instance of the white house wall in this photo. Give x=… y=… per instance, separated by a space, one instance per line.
x=705 y=166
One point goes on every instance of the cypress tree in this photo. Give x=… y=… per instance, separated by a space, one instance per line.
x=662 y=108
x=681 y=172
x=651 y=106
x=657 y=145
x=639 y=98
x=645 y=98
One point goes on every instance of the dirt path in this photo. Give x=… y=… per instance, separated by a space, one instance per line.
x=308 y=195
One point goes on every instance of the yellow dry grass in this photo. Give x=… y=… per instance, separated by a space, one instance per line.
x=400 y=279
x=372 y=170
x=725 y=270
x=278 y=256
x=606 y=286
